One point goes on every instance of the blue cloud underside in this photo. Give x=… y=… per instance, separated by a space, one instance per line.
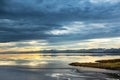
x=58 y=21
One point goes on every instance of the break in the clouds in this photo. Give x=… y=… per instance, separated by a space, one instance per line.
x=58 y=22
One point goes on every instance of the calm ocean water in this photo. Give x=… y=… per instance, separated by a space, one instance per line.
x=52 y=66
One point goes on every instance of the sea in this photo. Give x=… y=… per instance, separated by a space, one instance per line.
x=54 y=66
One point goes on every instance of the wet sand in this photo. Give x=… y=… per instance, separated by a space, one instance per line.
x=73 y=73
x=39 y=67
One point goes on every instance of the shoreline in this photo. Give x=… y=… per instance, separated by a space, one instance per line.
x=112 y=64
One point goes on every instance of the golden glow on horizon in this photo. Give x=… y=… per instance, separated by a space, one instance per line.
x=22 y=56
x=84 y=44
x=104 y=43
x=25 y=49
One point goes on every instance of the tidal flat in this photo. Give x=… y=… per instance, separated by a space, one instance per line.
x=53 y=67
x=112 y=64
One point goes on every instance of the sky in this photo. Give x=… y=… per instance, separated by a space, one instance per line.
x=31 y=25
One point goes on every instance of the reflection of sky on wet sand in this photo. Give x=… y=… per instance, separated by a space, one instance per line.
x=40 y=59
x=52 y=67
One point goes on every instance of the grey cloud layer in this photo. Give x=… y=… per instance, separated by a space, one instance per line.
x=32 y=19
x=79 y=8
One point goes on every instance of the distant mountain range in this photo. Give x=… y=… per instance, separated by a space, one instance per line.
x=98 y=50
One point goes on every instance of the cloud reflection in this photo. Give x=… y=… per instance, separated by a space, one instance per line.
x=43 y=60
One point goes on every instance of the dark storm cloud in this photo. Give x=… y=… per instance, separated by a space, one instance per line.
x=34 y=19
x=11 y=30
x=63 y=8
x=2 y=4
